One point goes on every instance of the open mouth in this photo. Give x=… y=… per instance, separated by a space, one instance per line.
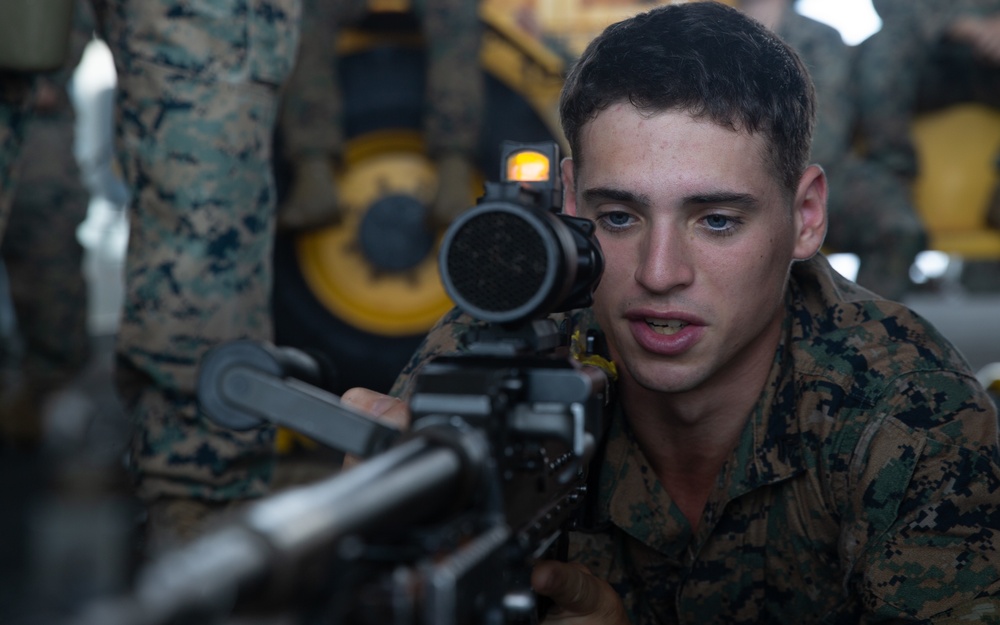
x=666 y=326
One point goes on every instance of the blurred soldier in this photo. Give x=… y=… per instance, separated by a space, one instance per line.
x=15 y=88
x=929 y=54
x=198 y=89
x=312 y=116
x=871 y=214
x=42 y=255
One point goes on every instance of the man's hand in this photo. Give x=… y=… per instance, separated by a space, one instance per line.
x=579 y=598
x=383 y=407
x=454 y=190
x=312 y=201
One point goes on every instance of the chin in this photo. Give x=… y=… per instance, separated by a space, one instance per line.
x=666 y=379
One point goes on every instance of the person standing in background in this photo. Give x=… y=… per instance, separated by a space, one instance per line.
x=929 y=54
x=41 y=253
x=198 y=92
x=871 y=211
x=312 y=117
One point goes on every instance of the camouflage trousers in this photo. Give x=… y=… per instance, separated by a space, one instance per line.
x=197 y=101
x=313 y=107
x=43 y=257
x=197 y=273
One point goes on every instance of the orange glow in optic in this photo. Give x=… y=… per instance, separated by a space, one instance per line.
x=528 y=167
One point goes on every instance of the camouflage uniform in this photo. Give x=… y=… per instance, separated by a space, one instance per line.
x=865 y=487
x=40 y=250
x=312 y=116
x=198 y=87
x=910 y=66
x=871 y=214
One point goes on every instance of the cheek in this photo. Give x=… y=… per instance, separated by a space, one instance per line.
x=619 y=272
x=619 y=257
x=761 y=280
x=606 y=293
x=750 y=274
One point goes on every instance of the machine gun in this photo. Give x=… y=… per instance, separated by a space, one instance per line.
x=441 y=524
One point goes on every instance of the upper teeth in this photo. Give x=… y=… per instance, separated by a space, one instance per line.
x=666 y=326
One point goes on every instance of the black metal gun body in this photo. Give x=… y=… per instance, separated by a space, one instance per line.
x=527 y=428
x=441 y=524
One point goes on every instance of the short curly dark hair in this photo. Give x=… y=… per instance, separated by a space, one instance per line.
x=705 y=58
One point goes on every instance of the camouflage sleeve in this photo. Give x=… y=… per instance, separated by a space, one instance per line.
x=920 y=531
x=455 y=87
x=312 y=107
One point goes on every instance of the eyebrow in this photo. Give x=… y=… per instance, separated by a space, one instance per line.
x=732 y=198
x=617 y=195
x=741 y=200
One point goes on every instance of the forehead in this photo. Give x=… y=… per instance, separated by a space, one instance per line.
x=624 y=143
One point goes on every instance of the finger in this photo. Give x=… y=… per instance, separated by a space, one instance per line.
x=571 y=587
x=384 y=407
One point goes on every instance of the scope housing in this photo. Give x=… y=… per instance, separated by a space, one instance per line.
x=515 y=257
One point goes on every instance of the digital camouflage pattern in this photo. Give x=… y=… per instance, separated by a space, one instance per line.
x=864 y=489
x=312 y=114
x=871 y=209
x=198 y=90
x=41 y=253
x=909 y=66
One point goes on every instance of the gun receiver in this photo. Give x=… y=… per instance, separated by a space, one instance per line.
x=441 y=524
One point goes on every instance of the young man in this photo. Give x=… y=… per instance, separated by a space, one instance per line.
x=786 y=447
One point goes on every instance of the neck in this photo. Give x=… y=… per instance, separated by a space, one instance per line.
x=688 y=448
x=688 y=436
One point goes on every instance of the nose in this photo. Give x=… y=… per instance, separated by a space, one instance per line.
x=664 y=262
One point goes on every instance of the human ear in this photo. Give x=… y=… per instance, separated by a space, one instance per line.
x=569 y=190
x=810 y=213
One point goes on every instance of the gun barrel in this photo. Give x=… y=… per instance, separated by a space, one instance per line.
x=270 y=543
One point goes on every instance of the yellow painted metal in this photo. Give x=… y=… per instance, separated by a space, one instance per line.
x=521 y=62
x=577 y=22
x=389 y=304
x=393 y=162
x=958 y=154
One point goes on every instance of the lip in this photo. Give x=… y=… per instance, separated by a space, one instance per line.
x=662 y=344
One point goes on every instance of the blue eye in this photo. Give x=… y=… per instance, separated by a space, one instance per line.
x=722 y=224
x=619 y=219
x=616 y=220
x=718 y=222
